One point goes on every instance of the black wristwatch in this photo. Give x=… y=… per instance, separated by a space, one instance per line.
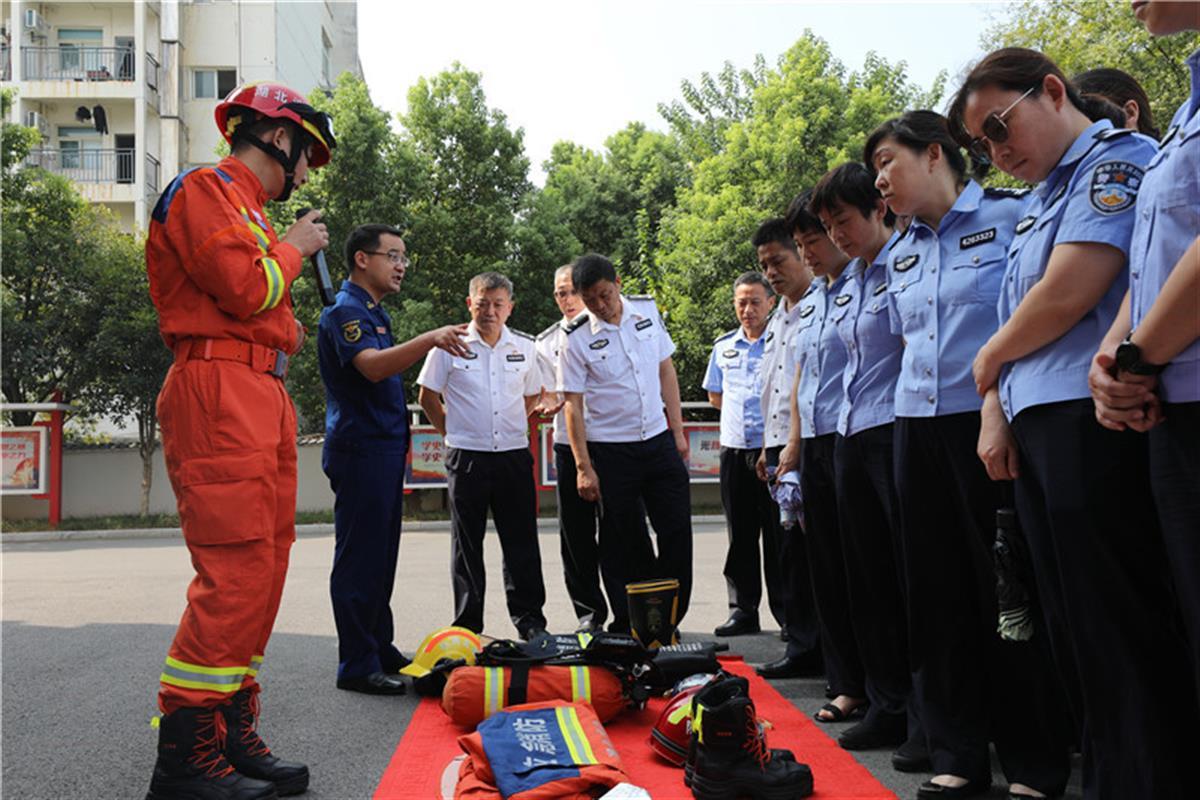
x=1129 y=359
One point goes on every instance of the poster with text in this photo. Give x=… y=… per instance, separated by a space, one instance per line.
x=23 y=459
x=426 y=460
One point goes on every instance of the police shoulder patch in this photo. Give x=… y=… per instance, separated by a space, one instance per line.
x=1114 y=186
x=906 y=263
x=1112 y=133
x=725 y=335
x=352 y=330
x=576 y=323
x=1004 y=191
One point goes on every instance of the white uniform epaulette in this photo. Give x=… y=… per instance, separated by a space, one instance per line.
x=522 y=334
x=725 y=336
x=548 y=331
x=576 y=323
x=1112 y=133
x=639 y=297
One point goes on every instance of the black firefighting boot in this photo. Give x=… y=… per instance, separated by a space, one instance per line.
x=741 y=686
x=249 y=754
x=732 y=757
x=654 y=612
x=191 y=761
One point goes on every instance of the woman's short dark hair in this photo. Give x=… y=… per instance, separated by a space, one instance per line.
x=1118 y=87
x=916 y=130
x=590 y=269
x=799 y=218
x=850 y=184
x=366 y=237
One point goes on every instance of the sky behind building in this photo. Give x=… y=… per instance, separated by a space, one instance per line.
x=581 y=69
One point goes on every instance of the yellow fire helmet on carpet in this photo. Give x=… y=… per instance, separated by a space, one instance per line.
x=445 y=643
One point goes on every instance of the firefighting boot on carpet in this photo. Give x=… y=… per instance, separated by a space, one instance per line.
x=740 y=686
x=732 y=758
x=249 y=754
x=192 y=765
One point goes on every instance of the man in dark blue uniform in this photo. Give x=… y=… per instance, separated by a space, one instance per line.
x=366 y=444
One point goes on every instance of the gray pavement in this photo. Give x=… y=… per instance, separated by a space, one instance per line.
x=87 y=619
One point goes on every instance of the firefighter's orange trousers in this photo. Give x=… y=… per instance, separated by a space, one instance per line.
x=229 y=440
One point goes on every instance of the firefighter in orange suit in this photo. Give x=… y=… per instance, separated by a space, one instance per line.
x=219 y=277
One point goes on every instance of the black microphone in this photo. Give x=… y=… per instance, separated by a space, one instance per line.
x=324 y=285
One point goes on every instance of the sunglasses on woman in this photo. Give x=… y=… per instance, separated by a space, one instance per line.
x=995 y=131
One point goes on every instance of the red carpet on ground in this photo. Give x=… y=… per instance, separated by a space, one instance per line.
x=430 y=743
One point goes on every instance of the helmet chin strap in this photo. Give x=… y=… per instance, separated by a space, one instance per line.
x=287 y=162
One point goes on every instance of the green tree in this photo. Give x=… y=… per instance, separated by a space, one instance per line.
x=50 y=244
x=710 y=106
x=806 y=116
x=126 y=360
x=476 y=186
x=1085 y=34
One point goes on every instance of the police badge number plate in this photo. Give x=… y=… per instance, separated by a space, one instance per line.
x=1114 y=186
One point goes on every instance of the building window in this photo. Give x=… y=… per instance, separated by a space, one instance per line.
x=213 y=83
x=70 y=44
x=78 y=146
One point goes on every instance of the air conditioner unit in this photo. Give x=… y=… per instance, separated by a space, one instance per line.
x=33 y=20
x=35 y=119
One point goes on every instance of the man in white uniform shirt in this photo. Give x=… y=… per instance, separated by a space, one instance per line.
x=576 y=516
x=790 y=278
x=481 y=402
x=629 y=456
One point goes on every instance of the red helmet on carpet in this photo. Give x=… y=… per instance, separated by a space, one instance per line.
x=669 y=736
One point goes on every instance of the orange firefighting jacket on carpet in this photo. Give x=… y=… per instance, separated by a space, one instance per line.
x=473 y=694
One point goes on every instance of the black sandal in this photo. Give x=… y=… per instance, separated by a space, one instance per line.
x=836 y=714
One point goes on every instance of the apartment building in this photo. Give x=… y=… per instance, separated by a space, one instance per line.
x=123 y=92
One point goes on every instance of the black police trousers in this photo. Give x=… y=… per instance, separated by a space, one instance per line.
x=577 y=536
x=1085 y=504
x=749 y=513
x=503 y=482
x=1175 y=479
x=640 y=479
x=869 y=515
x=971 y=686
x=826 y=568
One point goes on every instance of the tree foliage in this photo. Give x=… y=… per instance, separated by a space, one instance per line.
x=1085 y=34
x=807 y=115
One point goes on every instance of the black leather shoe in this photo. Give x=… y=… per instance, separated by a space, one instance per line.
x=375 y=683
x=738 y=624
x=783 y=635
x=394 y=666
x=933 y=791
x=913 y=755
x=807 y=665
x=878 y=730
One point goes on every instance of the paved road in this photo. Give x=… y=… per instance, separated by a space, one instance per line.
x=85 y=625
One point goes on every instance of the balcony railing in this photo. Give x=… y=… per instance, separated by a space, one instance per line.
x=88 y=166
x=152 y=166
x=152 y=81
x=67 y=63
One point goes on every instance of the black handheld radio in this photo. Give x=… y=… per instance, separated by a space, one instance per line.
x=324 y=285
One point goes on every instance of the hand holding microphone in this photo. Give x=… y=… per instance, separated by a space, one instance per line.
x=309 y=236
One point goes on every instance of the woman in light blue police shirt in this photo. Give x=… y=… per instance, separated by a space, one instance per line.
x=1082 y=491
x=1150 y=379
x=943 y=279
x=848 y=205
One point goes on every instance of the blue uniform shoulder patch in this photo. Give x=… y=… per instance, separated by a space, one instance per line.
x=1109 y=134
x=725 y=336
x=1114 y=186
x=1004 y=191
